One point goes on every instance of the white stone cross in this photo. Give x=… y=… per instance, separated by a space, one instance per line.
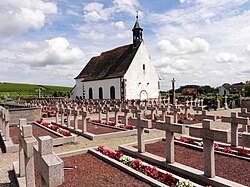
x=186 y=107
x=75 y=113
x=107 y=109
x=84 y=114
x=235 y=121
x=204 y=115
x=50 y=165
x=57 y=113
x=140 y=125
x=28 y=142
x=197 y=109
x=163 y=109
x=135 y=110
x=125 y=110
x=170 y=128
x=68 y=111
x=61 y=110
x=100 y=108
x=6 y=125
x=153 y=111
x=22 y=122
x=209 y=136
x=116 y=109
x=175 y=110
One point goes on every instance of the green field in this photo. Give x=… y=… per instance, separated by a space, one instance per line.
x=16 y=90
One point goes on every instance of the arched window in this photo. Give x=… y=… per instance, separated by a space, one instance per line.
x=90 y=93
x=100 y=93
x=112 y=92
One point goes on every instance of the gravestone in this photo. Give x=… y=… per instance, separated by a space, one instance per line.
x=235 y=121
x=140 y=125
x=208 y=136
x=175 y=109
x=170 y=128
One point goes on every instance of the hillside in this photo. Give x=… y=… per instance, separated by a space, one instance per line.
x=16 y=90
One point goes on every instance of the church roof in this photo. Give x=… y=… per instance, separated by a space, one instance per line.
x=110 y=64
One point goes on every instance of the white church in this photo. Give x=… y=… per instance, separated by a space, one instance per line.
x=125 y=73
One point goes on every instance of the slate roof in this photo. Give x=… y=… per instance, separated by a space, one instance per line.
x=110 y=64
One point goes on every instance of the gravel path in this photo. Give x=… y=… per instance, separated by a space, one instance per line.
x=6 y=160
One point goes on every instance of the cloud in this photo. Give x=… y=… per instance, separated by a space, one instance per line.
x=94 y=12
x=16 y=17
x=56 y=51
x=118 y=24
x=183 y=46
x=225 y=57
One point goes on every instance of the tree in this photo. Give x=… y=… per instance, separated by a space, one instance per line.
x=247 y=88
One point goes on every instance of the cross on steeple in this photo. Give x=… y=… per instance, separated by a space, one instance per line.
x=137 y=31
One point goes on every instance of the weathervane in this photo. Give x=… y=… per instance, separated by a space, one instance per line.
x=137 y=14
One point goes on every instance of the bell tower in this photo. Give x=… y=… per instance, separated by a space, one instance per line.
x=137 y=32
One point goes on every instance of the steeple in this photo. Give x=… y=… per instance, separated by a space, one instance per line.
x=137 y=32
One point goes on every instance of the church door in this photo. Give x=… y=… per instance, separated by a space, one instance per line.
x=112 y=92
x=143 y=95
x=90 y=93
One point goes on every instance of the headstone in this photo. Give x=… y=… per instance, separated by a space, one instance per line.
x=170 y=128
x=75 y=113
x=140 y=125
x=209 y=136
x=246 y=139
x=175 y=110
x=68 y=111
x=84 y=114
x=204 y=115
x=235 y=121
x=125 y=110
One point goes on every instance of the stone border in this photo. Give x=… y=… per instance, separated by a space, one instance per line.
x=99 y=136
x=62 y=139
x=217 y=152
x=191 y=173
x=120 y=166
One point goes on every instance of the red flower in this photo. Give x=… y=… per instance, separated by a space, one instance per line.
x=216 y=146
x=64 y=132
x=187 y=140
x=151 y=172
x=218 y=117
x=46 y=124
x=227 y=150
x=39 y=121
x=110 y=123
x=137 y=164
x=54 y=127
x=96 y=121
x=168 y=179
x=242 y=151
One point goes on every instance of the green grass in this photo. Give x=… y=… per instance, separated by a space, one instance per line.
x=16 y=90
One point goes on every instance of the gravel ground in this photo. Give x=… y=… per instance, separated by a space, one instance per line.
x=6 y=160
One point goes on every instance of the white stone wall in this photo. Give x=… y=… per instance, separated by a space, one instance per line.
x=138 y=80
x=106 y=84
x=77 y=90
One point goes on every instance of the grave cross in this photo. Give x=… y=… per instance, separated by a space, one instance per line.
x=50 y=165
x=135 y=110
x=84 y=114
x=153 y=111
x=140 y=125
x=197 y=109
x=116 y=109
x=68 y=111
x=107 y=109
x=204 y=115
x=244 y=113
x=61 y=110
x=6 y=125
x=75 y=113
x=22 y=122
x=1 y=119
x=186 y=107
x=57 y=114
x=170 y=128
x=209 y=136
x=125 y=110
x=235 y=121
x=164 y=109
x=100 y=108
x=175 y=110
x=27 y=142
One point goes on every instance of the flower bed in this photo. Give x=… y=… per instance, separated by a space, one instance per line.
x=54 y=128
x=148 y=170
x=236 y=151
x=113 y=124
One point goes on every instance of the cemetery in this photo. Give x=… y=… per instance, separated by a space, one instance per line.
x=115 y=126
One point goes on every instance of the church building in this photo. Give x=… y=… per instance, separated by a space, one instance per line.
x=125 y=73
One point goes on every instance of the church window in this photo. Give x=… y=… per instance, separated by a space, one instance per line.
x=100 y=93
x=112 y=92
x=143 y=66
x=90 y=93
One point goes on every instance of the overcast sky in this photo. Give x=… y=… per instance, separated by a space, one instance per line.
x=205 y=42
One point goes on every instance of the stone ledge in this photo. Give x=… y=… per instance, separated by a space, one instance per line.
x=189 y=172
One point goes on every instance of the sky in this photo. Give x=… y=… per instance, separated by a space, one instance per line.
x=202 y=42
